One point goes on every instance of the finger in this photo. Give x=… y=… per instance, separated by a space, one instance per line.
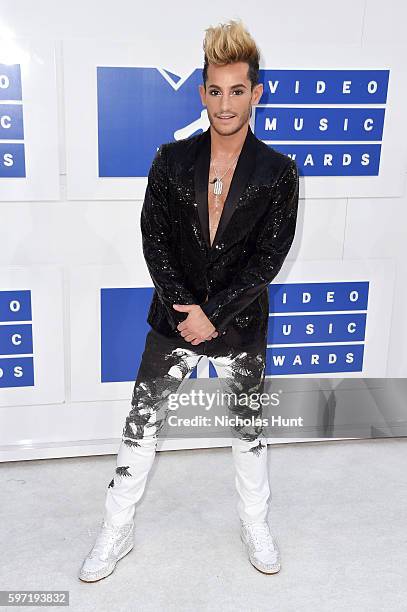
x=185 y=332
x=183 y=326
x=213 y=335
x=189 y=337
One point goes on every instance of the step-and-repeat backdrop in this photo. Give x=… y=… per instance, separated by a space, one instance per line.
x=71 y=337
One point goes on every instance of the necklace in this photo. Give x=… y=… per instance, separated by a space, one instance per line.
x=218 y=183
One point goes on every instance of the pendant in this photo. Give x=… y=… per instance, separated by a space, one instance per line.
x=217 y=188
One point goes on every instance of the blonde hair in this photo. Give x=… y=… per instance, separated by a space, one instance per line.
x=228 y=43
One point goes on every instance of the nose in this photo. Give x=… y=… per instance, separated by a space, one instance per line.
x=224 y=110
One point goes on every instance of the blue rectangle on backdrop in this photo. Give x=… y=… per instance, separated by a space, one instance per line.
x=123 y=331
x=11 y=125
x=138 y=109
x=334 y=159
x=12 y=155
x=324 y=86
x=314 y=359
x=10 y=82
x=124 y=328
x=298 y=329
x=319 y=124
x=15 y=305
x=17 y=372
x=318 y=297
x=16 y=339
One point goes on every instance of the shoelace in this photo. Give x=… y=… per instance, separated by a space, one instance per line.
x=260 y=535
x=105 y=541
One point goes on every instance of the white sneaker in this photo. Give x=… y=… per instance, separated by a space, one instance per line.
x=112 y=543
x=261 y=545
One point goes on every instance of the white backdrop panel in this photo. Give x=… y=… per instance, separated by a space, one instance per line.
x=87 y=281
x=39 y=104
x=45 y=286
x=81 y=59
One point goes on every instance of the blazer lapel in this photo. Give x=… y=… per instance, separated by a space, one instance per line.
x=244 y=167
x=201 y=177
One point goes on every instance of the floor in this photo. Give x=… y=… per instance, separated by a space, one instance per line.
x=338 y=510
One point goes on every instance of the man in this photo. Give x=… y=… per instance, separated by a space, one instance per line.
x=218 y=220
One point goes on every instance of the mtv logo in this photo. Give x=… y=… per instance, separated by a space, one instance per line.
x=137 y=111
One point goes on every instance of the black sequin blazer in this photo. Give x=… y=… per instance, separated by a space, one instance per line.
x=228 y=279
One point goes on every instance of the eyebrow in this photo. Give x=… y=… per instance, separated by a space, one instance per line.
x=232 y=87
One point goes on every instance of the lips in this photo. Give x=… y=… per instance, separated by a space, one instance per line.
x=226 y=117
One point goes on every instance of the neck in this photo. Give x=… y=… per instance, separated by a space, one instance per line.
x=226 y=146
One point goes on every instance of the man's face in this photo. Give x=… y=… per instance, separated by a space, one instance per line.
x=228 y=94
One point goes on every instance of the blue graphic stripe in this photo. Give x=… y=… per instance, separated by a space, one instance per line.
x=334 y=160
x=318 y=297
x=349 y=327
x=17 y=372
x=320 y=124
x=16 y=339
x=324 y=86
x=314 y=359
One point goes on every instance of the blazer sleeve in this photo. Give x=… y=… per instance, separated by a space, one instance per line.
x=163 y=266
x=273 y=245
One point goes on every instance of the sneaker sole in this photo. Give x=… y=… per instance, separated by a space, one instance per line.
x=111 y=571
x=263 y=571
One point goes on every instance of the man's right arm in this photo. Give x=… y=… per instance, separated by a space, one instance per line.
x=165 y=271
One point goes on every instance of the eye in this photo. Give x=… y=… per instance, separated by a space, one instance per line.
x=216 y=91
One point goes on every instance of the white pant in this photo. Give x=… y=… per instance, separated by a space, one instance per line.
x=136 y=454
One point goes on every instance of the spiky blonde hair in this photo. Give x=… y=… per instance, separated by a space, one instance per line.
x=230 y=42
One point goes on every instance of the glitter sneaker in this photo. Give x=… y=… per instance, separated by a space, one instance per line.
x=112 y=543
x=261 y=545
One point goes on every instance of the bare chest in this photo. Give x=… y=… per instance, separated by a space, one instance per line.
x=216 y=204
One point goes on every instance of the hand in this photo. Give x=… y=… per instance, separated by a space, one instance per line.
x=196 y=328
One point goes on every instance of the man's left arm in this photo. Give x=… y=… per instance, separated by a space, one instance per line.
x=273 y=245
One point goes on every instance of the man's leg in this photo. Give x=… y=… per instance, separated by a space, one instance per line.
x=242 y=373
x=164 y=365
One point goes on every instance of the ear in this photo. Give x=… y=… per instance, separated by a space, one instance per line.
x=257 y=93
